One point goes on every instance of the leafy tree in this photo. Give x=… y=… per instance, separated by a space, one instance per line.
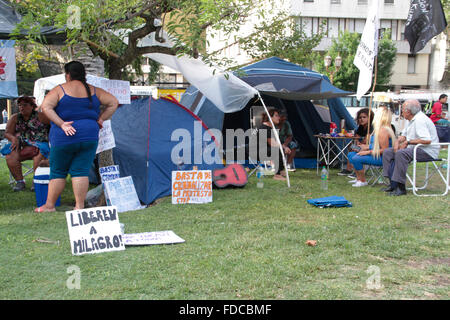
x=281 y=37
x=104 y=24
x=347 y=76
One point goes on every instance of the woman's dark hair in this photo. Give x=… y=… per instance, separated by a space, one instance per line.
x=77 y=71
x=366 y=112
x=28 y=100
x=272 y=111
x=442 y=96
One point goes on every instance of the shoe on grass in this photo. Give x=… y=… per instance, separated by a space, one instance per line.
x=344 y=172
x=20 y=186
x=358 y=184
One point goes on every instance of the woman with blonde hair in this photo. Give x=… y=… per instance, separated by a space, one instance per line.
x=382 y=138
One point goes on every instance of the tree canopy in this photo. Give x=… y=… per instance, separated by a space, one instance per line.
x=114 y=29
x=346 y=46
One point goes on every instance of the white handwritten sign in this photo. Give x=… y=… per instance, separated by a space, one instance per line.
x=150 y=238
x=94 y=230
x=118 y=88
x=109 y=173
x=106 y=139
x=193 y=186
x=122 y=194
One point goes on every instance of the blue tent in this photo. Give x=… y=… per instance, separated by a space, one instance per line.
x=145 y=135
x=288 y=87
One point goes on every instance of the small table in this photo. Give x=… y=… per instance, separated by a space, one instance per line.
x=325 y=149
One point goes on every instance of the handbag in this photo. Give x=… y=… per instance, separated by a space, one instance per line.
x=28 y=152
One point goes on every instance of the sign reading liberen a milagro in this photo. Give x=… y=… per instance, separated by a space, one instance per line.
x=193 y=186
x=94 y=230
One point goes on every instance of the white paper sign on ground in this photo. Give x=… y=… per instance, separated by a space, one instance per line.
x=193 y=186
x=94 y=230
x=150 y=238
x=122 y=194
x=106 y=139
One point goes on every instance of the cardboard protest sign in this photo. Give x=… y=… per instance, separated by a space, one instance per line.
x=122 y=194
x=107 y=174
x=150 y=238
x=118 y=88
x=94 y=230
x=193 y=186
x=106 y=137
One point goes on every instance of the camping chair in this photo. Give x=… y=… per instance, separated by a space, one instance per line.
x=255 y=121
x=435 y=168
x=27 y=172
x=375 y=175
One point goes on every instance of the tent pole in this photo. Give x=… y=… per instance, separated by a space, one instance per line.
x=371 y=99
x=277 y=138
x=8 y=107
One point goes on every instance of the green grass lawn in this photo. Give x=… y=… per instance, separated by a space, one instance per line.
x=247 y=244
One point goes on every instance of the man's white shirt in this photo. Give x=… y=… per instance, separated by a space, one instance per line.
x=421 y=127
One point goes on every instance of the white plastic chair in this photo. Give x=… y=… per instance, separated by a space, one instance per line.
x=436 y=169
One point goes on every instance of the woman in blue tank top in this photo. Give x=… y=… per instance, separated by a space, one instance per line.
x=382 y=138
x=74 y=111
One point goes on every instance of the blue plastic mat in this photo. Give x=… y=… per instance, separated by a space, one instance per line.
x=329 y=202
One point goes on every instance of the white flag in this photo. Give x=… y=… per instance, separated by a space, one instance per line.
x=367 y=50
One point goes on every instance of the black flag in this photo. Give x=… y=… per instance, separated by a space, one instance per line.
x=426 y=19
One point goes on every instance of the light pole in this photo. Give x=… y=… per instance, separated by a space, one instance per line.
x=337 y=66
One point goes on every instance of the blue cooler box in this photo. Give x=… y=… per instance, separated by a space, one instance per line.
x=41 y=179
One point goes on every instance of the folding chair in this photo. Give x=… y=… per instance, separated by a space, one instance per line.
x=375 y=175
x=436 y=169
x=256 y=113
x=27 y=172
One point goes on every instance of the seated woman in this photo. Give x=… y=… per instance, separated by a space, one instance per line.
x=272 y=142
x=382 y=138
x=27 y=131
x=287 y=139
x=362 y=119
x=437 y=116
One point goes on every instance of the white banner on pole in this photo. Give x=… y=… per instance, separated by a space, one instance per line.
x=367 y=50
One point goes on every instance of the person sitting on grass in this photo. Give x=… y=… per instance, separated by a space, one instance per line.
x=382 y=138
x=28 y=132
x=362 y=119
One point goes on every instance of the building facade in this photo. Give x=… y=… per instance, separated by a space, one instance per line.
x=418 y=71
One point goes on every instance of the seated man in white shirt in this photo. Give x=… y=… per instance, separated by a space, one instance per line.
x=419 y=130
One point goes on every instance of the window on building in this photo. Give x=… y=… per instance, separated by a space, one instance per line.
x=359 y=25
x=333 y=28
x=362 y=1
x=336 y=1
x=388 y=1
x=411 y=63
x=308 y=0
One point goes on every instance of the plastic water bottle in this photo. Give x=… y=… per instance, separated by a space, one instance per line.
x=260 y=175
x=324 y=179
